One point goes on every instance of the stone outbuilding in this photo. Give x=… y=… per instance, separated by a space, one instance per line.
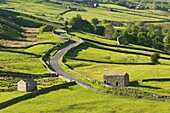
x=27 y=85
x=117 y=79
x=95 y=5
x=59 y=32
x=121 y=40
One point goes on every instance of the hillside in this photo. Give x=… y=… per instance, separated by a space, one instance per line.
x=85 y=37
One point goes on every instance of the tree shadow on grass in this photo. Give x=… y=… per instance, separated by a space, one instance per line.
x=85 y=106
x=81 y=47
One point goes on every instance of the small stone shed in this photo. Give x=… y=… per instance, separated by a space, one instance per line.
x=121 y=40
x=27 y=85
x=118 y=79
x=59 y=32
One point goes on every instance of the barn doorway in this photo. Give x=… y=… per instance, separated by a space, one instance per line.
x=117 y=83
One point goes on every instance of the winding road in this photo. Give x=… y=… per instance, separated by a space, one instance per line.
x=56 y=67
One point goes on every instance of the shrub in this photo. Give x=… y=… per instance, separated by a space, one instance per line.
x=155 y=57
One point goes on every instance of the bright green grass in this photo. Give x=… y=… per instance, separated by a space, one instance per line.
x=162 y=88
x=108 y=56
x=78 y=100
x=133 y=50
x=136 y=72
x=153 y=13
x=21 y=63
x=39 y=49
x=103 y=14
x=9 y=95
x=93 y=37
x=44 y=10
x=50 y=37
x=101 y=39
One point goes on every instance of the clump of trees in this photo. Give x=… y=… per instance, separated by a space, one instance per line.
x=140 y=33
x=81 y=24
x=94 y=26
x=147 y=35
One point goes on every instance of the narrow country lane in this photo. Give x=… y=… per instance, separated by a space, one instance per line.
x=55 y=65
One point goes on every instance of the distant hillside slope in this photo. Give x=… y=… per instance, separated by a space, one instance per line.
x=11 y=24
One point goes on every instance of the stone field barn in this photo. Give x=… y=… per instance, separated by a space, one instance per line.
x=117 y=79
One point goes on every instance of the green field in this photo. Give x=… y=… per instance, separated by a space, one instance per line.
x=123 y=14
x=80 y=100
x=48 y=11
x=50 y=37
x=9 y=95
x=97 y=63
x=92 y=59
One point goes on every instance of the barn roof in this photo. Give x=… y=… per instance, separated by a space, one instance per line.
x=28 y=81
x=115 y=74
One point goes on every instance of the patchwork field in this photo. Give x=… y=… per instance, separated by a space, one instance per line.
x=93 y=58
x=122 y=14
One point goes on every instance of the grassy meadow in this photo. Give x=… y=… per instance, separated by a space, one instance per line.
x=122 y=14
x=90 y=59
x=95 y=62
x=80 y=100
x=48 y=11
x=13 y=61
x=9 y=95
x=50 y=37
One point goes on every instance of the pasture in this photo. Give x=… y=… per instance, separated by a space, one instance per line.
x=122 y=14
x=93 y=58
x=77 y=99
x=95 y=62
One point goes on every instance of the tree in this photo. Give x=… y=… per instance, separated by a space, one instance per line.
x=76 y=22
x=166 y=41
x=155 y=57
x=145 y=34
x=65 y=23
x=100 y=30
x=109 y=31
x=87 y=27
x=95 y=21
x=79 y=23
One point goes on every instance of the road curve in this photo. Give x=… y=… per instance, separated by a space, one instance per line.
x=56 y=67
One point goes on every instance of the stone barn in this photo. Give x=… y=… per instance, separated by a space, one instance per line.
x=121 y=40
x=117 y=79
x=27 y=85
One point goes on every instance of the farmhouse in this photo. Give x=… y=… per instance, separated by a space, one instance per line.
x=117 y=79
x=27 y=85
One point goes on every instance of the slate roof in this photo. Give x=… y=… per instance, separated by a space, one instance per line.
x=115 y=74
x=28 y=81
